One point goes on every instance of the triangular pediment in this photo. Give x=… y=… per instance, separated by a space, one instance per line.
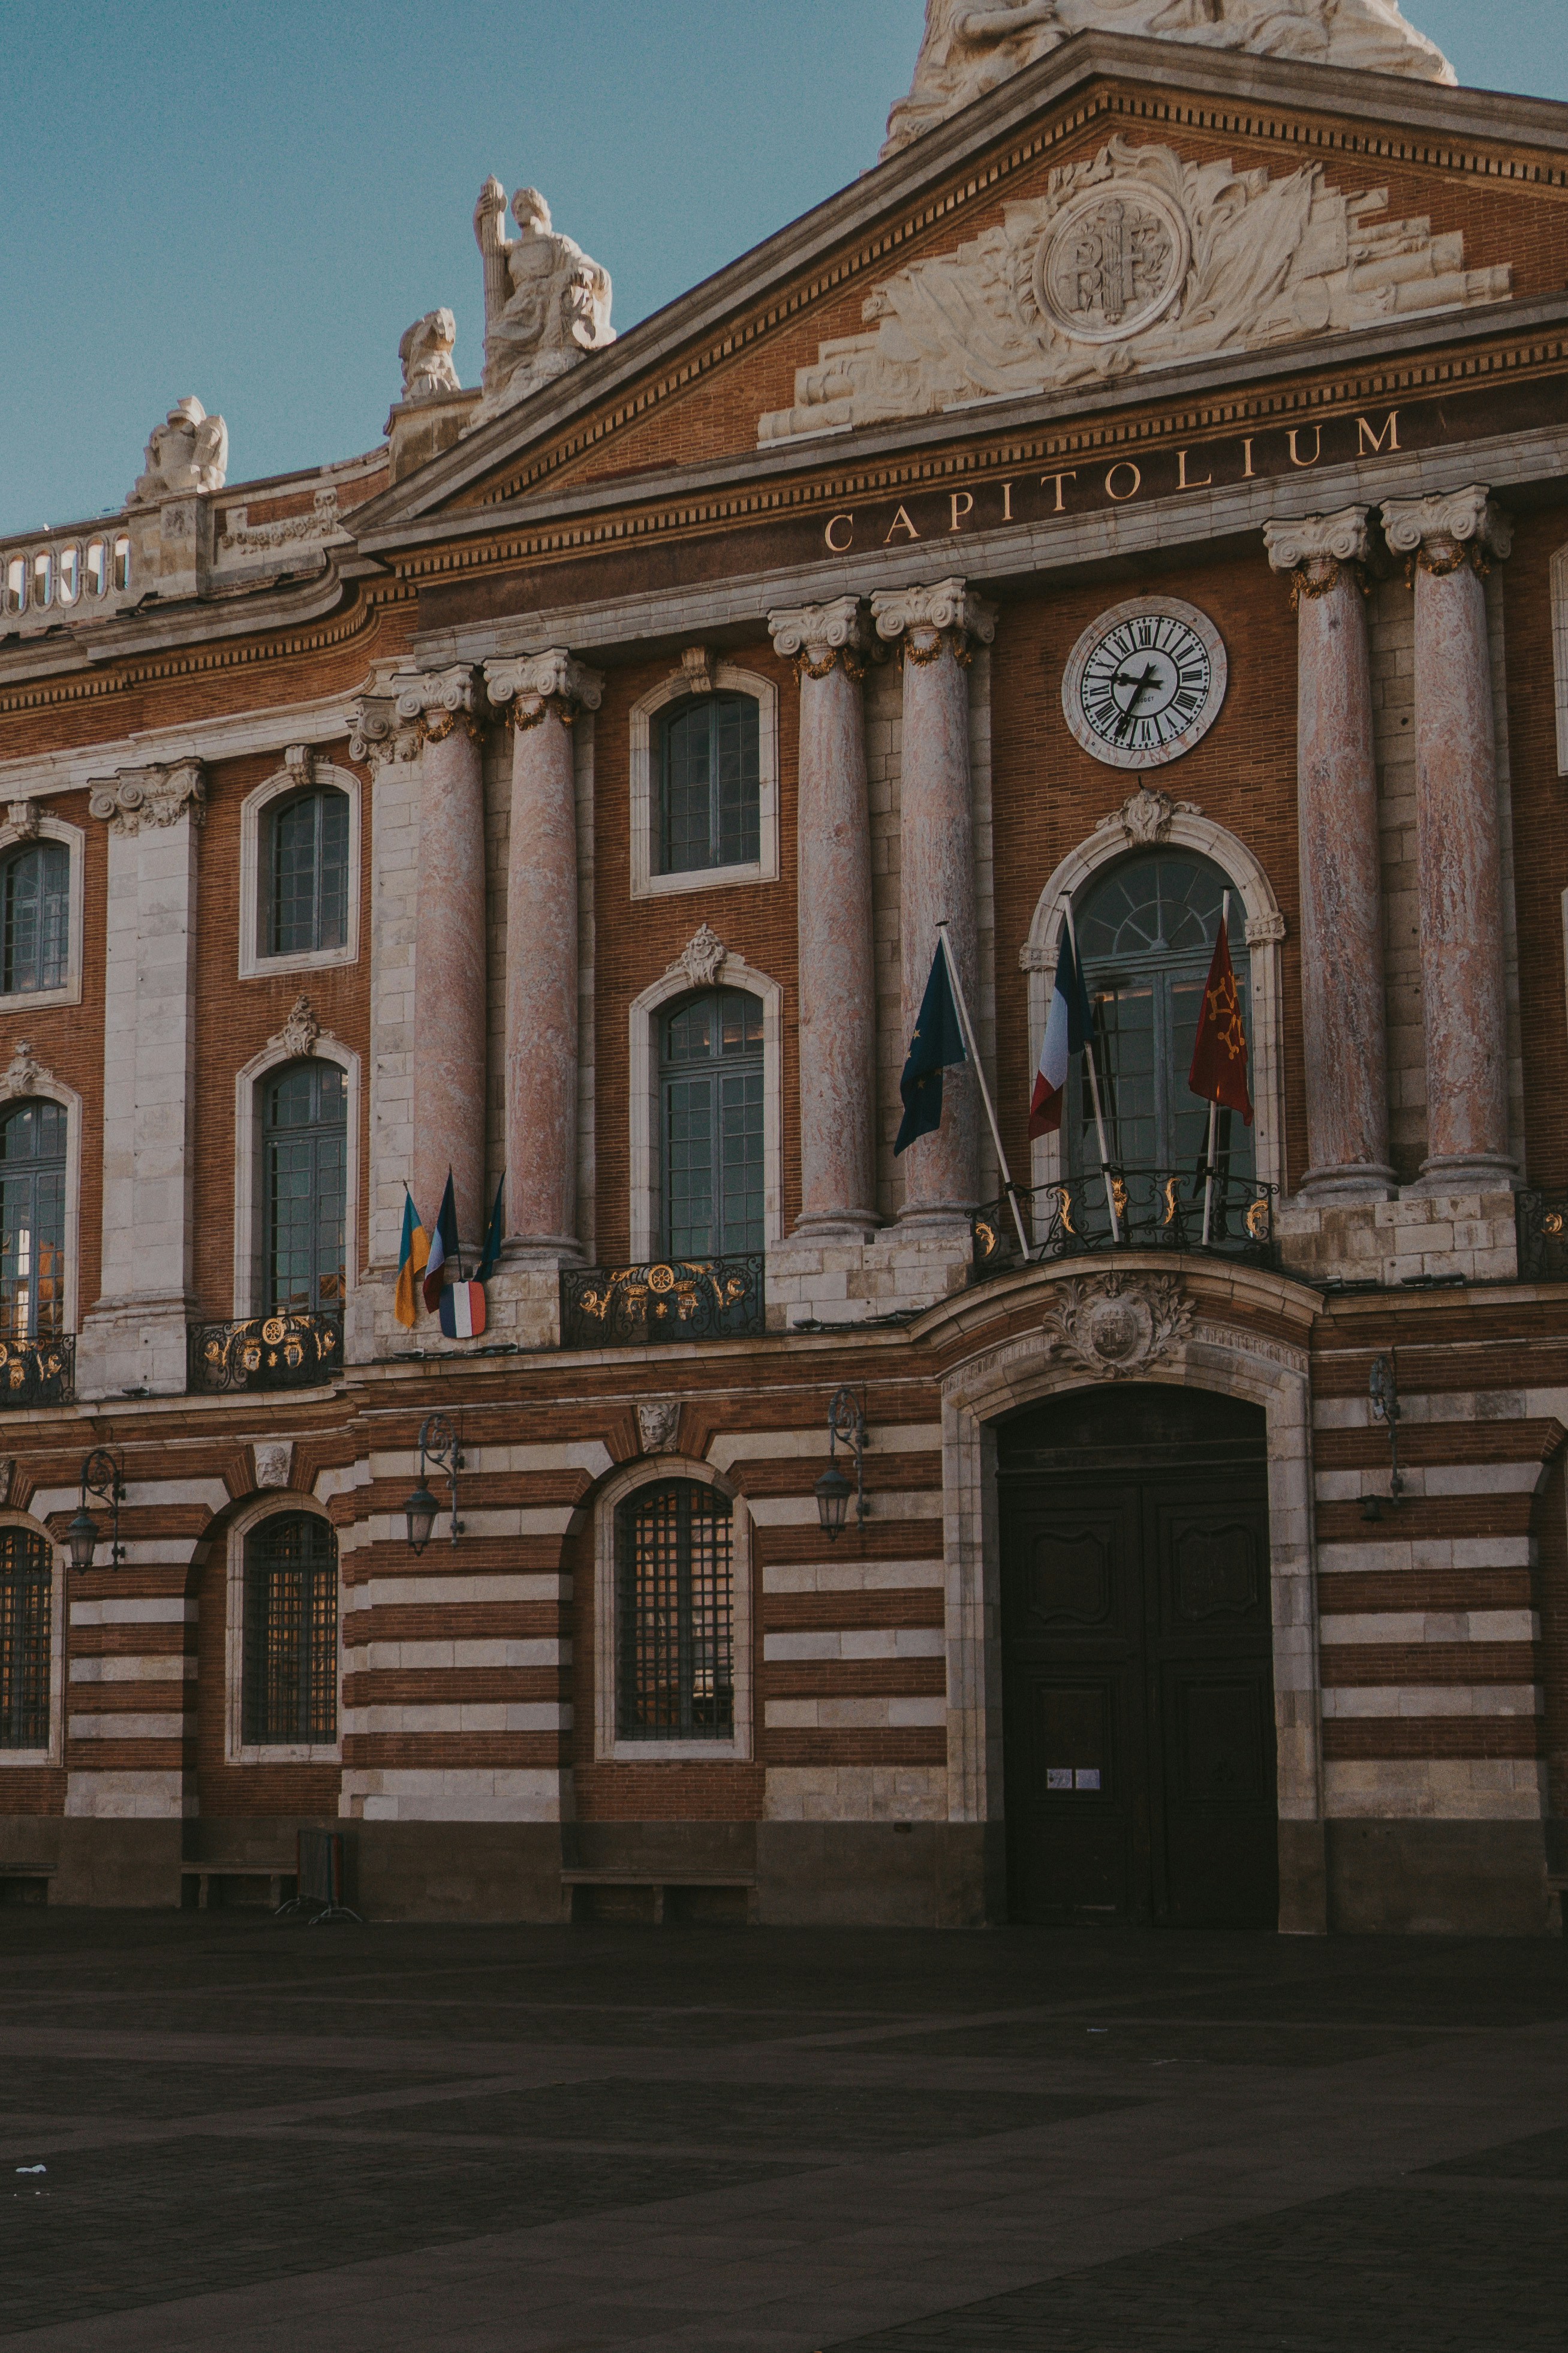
x=1094 y=222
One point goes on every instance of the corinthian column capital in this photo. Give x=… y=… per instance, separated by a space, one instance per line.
x=947 y=612
x=433 y=703
x=816 y=637
x=1452 y=528
x=536 y=684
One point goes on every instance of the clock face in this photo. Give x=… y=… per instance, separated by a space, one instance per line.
x=1144 y=683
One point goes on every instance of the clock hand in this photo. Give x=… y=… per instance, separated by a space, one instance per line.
x=1139 y=686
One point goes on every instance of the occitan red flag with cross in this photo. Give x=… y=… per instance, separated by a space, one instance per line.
x=1219 y=1054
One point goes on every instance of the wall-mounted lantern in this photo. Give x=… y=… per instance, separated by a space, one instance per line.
x=103 y=1475
x=1383 y=1389
x=846 y=1427
x=439 y=1443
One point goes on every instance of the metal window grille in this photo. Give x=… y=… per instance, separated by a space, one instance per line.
x=304 y=1144
x=35 y=918
x=32 y=1221
x=675 y=1592
x=291 y=1631
x=27 y=1594
x=712 y=1105
x=308 y=883
x=710 y=785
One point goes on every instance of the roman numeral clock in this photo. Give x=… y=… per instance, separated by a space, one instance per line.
x=1145 y=683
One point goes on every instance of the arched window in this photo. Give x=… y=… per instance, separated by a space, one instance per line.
x=35 y=918
x=675 y=1606
x=305 y=874
x=709 y=795
x=1146 y=932
x=290 y=1632
x=32 y=1220
x=304 y=1156
x=26 y=1595
x=710 y=1101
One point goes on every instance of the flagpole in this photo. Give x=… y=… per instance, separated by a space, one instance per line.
x=958 y=998
x=1094 y=1093
x=1214 y=1102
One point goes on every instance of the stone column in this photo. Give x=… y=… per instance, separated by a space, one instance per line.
x=933 y=628
x=545 y=693
x=1458 y=850
x=837 y=998
x=1345 y=1019
x=446 y=709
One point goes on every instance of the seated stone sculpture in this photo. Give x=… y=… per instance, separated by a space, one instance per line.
x=425 y=352
x=189 y=451
x=547 y=305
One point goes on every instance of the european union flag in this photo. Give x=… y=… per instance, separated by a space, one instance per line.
x=938 y=1041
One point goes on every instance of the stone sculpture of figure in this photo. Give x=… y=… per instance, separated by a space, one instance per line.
x=189 y=451
x=546 y=304
x=425 y=352
x=970 y=45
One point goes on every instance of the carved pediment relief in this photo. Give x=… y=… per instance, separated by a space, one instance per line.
x=1135 y=258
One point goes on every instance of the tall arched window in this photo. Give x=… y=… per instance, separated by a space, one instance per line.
x=290 y=1670
x=26 y=1599
x=35 y=918
x=305 y=873
x=1146 y=933
x=675 y=1607
x=32 y=1220
x=304 y=1156
x=708 y=793
x=710 y=1100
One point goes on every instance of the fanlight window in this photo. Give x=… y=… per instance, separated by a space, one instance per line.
x=32 y=1220
x=1146 y=932
x=35 y=917
x=675 y=1587
x=305 y=886
x=291 y=1692
x=710 y=790
x=711 y=1091
x=26 y=1597
x=304 y=1152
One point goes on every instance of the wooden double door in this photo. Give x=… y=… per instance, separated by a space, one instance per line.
x=1138 y=1660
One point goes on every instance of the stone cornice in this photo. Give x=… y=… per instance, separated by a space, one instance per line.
x=327 y=720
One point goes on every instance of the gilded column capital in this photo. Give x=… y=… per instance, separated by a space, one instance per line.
x=1443 y=533
x=1319 y=550
x=534 y=683
x=948 y=613
x=156 y=796
x=816 y=637
x=432 y=703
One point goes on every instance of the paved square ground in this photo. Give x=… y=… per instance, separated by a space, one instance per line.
x=261 y=2135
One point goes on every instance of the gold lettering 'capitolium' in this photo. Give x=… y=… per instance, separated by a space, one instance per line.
x=1111 y=263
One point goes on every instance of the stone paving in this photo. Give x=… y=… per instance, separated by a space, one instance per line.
x=259 y=2134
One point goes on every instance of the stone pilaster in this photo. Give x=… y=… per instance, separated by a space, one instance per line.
x=829 y=645
x=1345 y=1019
x=543 y=695
x=933 y=626
x=133 y=1337
x=1451 y=541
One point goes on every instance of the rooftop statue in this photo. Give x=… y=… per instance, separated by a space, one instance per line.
x=546 y=304
x=425 y=352
x=189 y=451
x=970 y=46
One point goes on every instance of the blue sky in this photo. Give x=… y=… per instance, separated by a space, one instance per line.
x=250 y=199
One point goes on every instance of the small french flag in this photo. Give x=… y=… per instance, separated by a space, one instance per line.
x=462 y=1311
x=1070 y=1028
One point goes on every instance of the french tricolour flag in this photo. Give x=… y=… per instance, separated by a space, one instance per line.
x=462 y=1310
x=1070 y=1028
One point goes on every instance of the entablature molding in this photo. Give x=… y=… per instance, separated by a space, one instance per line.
x=235 y=737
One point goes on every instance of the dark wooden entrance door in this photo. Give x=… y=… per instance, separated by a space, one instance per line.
x=1138 y=1660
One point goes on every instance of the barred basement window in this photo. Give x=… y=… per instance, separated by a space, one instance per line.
x=306 y=901
x=710 y=785
x=26 y=1592
x=290 y=1632
x=675 y=1582
x=35 y=918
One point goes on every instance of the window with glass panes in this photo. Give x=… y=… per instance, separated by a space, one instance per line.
x=304 y=1165
x=709 y=809
x=306 y=905
x=673 y=1559
x=710 y=1088
x=1146 y=933
x=32 y=1220
x=26 y=1599
x=35 y=918
x=290 y=1632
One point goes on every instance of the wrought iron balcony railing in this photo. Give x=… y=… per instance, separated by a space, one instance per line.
x=285 y=1351
x=1156 y=1209
x=673 y=1298
x=1542 y=1224
x=36 y=1372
